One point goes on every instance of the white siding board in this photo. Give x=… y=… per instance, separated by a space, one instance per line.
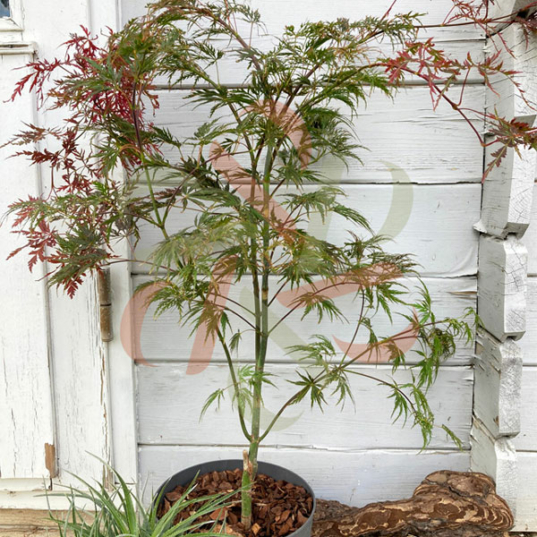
x=436 y=227
x=526 y=519
x=404 y=139
x=163 y=339
x=276 y=14
x=527 y=439
x=528 y=343
x=354 y=478
x=530 y=237
x=170 y=402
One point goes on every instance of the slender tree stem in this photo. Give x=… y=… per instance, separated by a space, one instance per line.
x=235 y=383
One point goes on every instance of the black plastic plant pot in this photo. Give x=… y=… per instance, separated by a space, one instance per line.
x=185 y=477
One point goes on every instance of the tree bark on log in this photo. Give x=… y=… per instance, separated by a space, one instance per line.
x=445 y=504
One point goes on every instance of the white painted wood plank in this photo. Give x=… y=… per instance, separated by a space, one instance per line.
x=163 y=339
x=508 y=193
x=530 y=237
x=434 y=223
x=526 y=514
x=81 y=383
x=26 y=411
x=498 y=459
x=121 y=367
x=527 y=439
x=508 y=8
x=528 y=343
x=49 y=28
x=170 y=400
x=498 y=380
x=405 y=140
x=514 y=102
x=276 y=14
x=502 y=286
x=508 y=190
x=354 y=478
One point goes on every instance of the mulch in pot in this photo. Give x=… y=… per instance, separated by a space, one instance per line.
x=278 y=507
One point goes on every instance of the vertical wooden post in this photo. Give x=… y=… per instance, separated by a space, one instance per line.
x=502 y=280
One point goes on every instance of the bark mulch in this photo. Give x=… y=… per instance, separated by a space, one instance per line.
x=279 y=508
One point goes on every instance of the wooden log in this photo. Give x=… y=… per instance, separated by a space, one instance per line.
x=445 y=504
x=498 y=385
x=508 y=189
x=502 y=286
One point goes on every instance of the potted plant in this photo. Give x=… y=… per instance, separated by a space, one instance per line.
x=250 y=180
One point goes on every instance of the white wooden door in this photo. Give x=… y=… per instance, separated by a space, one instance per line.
x=26 y=410
x=54 y=396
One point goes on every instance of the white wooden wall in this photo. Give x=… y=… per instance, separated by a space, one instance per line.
x=420 y=183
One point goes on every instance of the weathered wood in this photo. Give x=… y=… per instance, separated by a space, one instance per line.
x=31 y=523
x=508 y=190
x=81 y=383
x=508 y=193
x=530 y=237
x=405 y=140
x=514 y=100
x=26 y=411
x=445 y=504
x=435 y=224
x=31 y=532
x=508 y=8
x=163 y=339
x=527 y=439
x=496 y=458
x=351 y=477
x=526 y=515
x=498 y=381
x=501 y=295
x=121 y=371
x=165 y=418
x=28 y=518
x=528 y=343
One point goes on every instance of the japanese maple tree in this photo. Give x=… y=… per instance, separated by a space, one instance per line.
x=247 y=176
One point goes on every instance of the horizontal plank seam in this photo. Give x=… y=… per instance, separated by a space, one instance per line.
x=429 y=275
x=167 y=361
x=475 y=82
x=409 y=451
